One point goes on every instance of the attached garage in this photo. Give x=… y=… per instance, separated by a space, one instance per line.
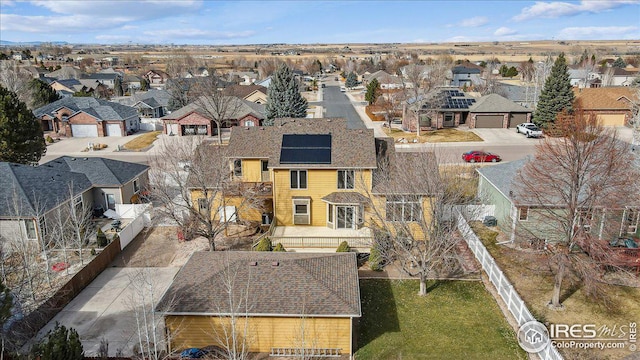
x=114 y=130
x=517 y=119
x=611 y=119
x=172 y=129
x=489 y=121
x=84 y=130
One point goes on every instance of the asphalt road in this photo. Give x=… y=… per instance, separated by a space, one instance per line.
x=453 y=154
x=337 y=104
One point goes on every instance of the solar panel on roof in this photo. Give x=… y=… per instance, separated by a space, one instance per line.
x=306 y=149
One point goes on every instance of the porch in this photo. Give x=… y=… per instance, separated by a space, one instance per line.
x=321 y=239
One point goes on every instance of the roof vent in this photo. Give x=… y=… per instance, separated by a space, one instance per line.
x=275 y=263
x=328 y=120
x=253 y=263
x=246 y=128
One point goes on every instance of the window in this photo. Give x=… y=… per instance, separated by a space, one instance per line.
x=77 y=203
x=330 y=213
x=249 y=123
x=523 y=213
x=237 y=168
x=136 y=186
x=345 y=179
x=298 y=179
x=203 y=205
x=301 y=212
x=404 y=208
x=30 y=228
x=265 y=165
x=631 y=218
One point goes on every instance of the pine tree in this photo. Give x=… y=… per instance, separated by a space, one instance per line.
x=619 y=63
x=60 y=344
x=264 y=245
x=279 y=248
x=117 y=87
x=21 y=135
x=283 y=97
x=351 y=81
x=6 y=303
x=556 y=96
x=41 y=93
x=373 y=91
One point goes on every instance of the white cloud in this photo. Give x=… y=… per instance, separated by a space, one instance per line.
x=474 y=21
x=558 y=9
x=598 y=32
x=503 y=31
x=198 y=34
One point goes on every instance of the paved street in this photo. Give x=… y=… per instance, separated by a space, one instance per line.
x=337 y=104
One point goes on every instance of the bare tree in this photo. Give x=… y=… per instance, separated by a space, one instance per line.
x=13 y=78
x=179 y=62
x=80 y=223
x=220 y=105
x=196 y=199
x=411 y=209
x=574 y=186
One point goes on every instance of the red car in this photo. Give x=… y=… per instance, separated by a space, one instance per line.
x=480 y=156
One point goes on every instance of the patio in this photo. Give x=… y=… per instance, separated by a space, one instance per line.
x=322 y=239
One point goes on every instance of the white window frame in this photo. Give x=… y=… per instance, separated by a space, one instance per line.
x=345 y=176
x=299 y=217
x=136 y=185
x=526 y=213
x=203 y=205
x=237 y=168
x=630 y=223
x=298 y=177
x=27 y=232
x=405 y=203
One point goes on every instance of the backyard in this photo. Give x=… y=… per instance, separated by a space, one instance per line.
x=457 y=319
x=529 y=273
x=442 y=135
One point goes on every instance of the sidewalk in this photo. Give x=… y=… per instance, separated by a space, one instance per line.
x=375 y=125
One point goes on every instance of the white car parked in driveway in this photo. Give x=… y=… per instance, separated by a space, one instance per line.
x=529 y=129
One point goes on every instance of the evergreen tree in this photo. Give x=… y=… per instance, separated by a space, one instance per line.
x=619 y=63
x=144 y=84
x=41 y=93
x=511 y=72
x=117 y=87
x=373 y=92
x=264 y=245
x=21 y=135
x=283 y=96
x=343 y=247
x=352 y=80
x=503 y=70
x=6 y=302
x=60 y=344
x=556 y=96
x=279 y=248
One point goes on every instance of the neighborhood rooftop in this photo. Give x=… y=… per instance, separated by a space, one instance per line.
x=100 y=171
x=98 y=108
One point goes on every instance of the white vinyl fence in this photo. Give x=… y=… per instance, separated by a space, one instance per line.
x=509 y=295
x=139 y=213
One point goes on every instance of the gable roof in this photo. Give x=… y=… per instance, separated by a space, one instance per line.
x=496 y=103
x=242 y=91
x=242 y=108
x=301 y=284
x=606 y=98
x=350 y=148
x=98 y=108
x=100 y=171
x=27 y=191
x=501 y=176
x=103 y=76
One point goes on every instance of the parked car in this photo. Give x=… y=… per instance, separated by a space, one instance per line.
x=529 y=129
x=480 y=156
x=343 y=89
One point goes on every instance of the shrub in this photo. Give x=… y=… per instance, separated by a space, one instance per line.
x=101 y=238
x=49 y=139
x=375 y=260
x=279 y=247
x=93 y=251
x=264 y=245
x=343 y=247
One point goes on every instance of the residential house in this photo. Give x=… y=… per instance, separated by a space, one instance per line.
x=195 y=118
x=30 y=194
x=68 y=87
x=132 y=82
x=386 y=80
x=521 y=93
x=156 y=78
x=253 y=93
x=150 y=104
x=242 y=77
x=448 y=107
x=281 y=304
x=88 y=117
x=67 y=72
x=265 y=82
x=466 y=75
x=614 y=76
x=612 y=105
x=315 y=177
x=495 y=111
x=581 y=77
x=107 y=79
x=525 y=220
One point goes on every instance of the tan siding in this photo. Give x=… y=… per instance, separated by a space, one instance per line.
x=320 y=183
x=611 y=119
x=251 y=170
x=263 y=332
x=380 y=204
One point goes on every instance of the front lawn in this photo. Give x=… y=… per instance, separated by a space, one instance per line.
x=434 y=136
x=456 y=320
x=142 y=142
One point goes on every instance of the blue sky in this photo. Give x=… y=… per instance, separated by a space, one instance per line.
x=300 y=22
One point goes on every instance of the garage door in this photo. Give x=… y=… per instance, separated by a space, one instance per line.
x=489 y=121
x=114 y=130
x=611 y=120
x=517 y=119
x=84 y=130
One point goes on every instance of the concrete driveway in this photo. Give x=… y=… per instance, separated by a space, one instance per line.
x=105 y=308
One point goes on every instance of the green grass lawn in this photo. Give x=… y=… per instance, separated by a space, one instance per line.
x=456 y=320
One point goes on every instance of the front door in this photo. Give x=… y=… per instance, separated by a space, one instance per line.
x=345 y=217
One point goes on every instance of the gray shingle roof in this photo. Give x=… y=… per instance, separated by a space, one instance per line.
x=350 y=148
x=101 y=109
x=502 y=175
x=301 y=284
x=31 y=191
x=204 y=106
x=100 y=171
x=496 y=103
x=346 y=197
